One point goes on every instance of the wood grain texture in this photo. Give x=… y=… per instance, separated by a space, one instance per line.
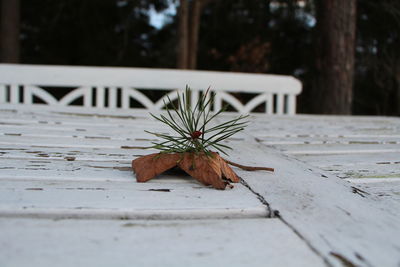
x=332 y=215
x=335 y=185
x=58 y=199
x=244 y=242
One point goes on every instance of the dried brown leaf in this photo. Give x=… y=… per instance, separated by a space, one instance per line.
x=227 y=171
x=204 y=169
x=209 y=170
x=149 y=166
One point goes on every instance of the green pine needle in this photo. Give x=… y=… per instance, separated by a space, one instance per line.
x=191 y=125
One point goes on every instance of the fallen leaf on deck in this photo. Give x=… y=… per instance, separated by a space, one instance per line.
x=190 y=149
x=209 y=170
x=149 y=166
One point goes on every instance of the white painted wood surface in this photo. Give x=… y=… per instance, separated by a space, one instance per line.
x=344 y=222
x=76 y=198
x=334 y=195
x=237 y=242
x=105 y=84
x=357 y=222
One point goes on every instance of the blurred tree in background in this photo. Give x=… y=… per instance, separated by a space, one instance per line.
x=377 y=75
x=9 y=31
x=333 y=74
x=269 y=36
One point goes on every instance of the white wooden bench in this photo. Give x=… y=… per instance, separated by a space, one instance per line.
x=115 y=87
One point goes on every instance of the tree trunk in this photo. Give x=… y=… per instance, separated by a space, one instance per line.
x=397 y=77
x=335 y=48
x=183 y=35
x=195 y=13
x=188 y=34
x=9 y=31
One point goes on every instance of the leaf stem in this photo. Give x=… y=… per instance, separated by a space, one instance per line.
x=249 y=168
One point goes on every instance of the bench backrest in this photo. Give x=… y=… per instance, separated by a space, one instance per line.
x=111 y=87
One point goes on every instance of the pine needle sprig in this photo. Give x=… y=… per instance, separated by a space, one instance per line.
x=191 y=126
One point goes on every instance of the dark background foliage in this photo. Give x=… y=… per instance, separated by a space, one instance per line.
x=235 y=35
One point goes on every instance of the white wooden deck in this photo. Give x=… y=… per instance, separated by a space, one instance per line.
x=68 y=196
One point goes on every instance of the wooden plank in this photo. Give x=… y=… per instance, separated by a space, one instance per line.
x=66 y=142
x=125 y=98
x=54 y=141
x=3 y=93
x=279 y=103
x=365 y=171
x=332 y=161
x=314 y=126
x=294 y=126
x=275 y=127
x=341 y=222
x=323 y=149
x=67 y=169
x=91 y=121
x=269 y=104
x=74 y=115
x=28 y=95
x=314 y=147
x=255 y=242
x=52 y=111
x=76 y=133
x=100 y=97
x=291 y=105
x=115 y=200
x=85 y=140
x=386 y=190
x=27 y=152
x=64 y=125
x=373 y=180
x=59 y=130
x=14 y=93
x=312 y=140
x=112 y=97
